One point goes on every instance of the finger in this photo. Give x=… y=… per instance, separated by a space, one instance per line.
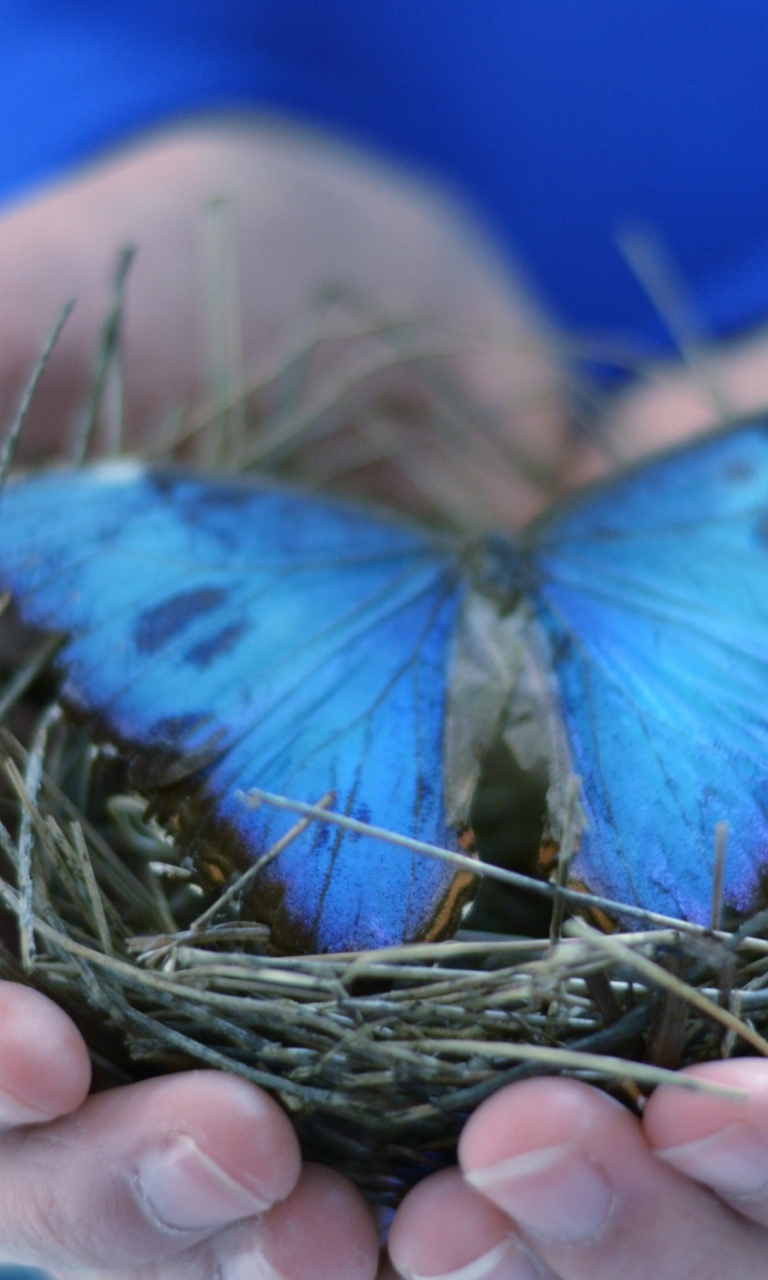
x=573 y=1170
x=718 y=1141
x=322 y=1231
x=445 y=1228
x=144 y=1172
x=44 y=1066
x=672 y=402
x=307 y=211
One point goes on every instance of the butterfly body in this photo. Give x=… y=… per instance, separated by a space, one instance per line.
x=234 y=635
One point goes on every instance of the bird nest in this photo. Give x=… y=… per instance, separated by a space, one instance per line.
x=377 y=1057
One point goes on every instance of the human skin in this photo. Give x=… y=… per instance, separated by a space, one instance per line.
x=71 y=1166
x=308 y=215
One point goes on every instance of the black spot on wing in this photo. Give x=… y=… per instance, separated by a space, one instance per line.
x=562 y=648
x=739 y=471
x=425 y=791
x=165 y=621
x=174 y=730
x=167 y=483
x=209 y=650
x=760 y=533
x=322 y=837
x=606 y=533
x=216 y=507
x=227 y=496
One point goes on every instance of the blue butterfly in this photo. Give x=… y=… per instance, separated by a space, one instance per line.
x=236 y=635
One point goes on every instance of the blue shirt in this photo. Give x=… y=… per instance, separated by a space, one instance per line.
x=563 y=121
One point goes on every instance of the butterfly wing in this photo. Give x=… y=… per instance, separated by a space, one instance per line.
x=267 y=640
x=653 y=593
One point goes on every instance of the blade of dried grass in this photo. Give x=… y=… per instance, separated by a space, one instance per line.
x=28 y=788
x=656 y=974
x=85 y=865
x=42 y=653
x=576 y=899
x=243 y=881
x=8 y=450
x=108 y=365
x=114 y=873
x=592 y=1063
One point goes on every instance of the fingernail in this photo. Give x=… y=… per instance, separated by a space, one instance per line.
x=183 y=1189
x=507 y=1261
x=557 y=1194
x=733 y=1161
x=13 y=1112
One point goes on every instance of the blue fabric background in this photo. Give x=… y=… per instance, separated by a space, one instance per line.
x=562 y=120
x=22 y=1273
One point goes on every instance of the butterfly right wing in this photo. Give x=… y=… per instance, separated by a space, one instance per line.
x=653 y=593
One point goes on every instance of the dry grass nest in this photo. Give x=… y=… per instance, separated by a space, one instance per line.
x=377 y=1057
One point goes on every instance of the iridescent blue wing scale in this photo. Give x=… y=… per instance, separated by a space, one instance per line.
x=289 y=644
x=653 y=593
x=304 y=648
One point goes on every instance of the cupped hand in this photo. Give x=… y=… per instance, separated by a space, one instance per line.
x=197 y=1175
x=557 y=1181
x=309 y=215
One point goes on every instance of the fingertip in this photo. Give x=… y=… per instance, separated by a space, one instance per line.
x=675 y=1115
x=45 y=1070
x=324 y=1230
x=237 y=1124
x=444 y=1225
x=142 y=1173
x=531 y=1115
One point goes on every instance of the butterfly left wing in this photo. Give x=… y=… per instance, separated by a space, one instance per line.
x=653 y=593
x=254 y=637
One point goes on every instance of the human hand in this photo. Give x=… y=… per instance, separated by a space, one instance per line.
x=194 y=1176
x=66 y=242
x=310 y=214
x=559 y=1182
